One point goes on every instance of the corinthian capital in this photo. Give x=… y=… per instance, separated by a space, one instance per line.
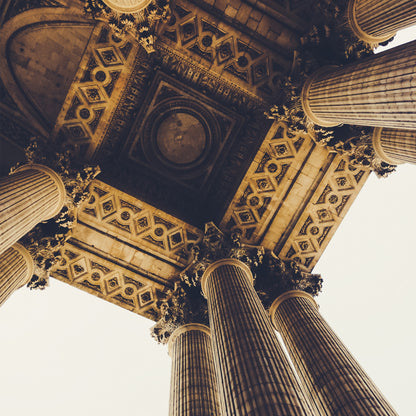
x=183 y=305
x=276 y=277
x=216 y=245
x=45 y=241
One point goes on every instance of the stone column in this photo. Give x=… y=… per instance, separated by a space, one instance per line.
x=254 y=375
x=193 y=381
x=377 y=91
x=375 y=21
x=32 y=194
x=395 y=146
x=16 y=269
x=335 y=380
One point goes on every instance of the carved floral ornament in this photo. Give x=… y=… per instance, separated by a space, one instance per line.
x=330 y=42
x=45 y=241
x=272 y=275
x=182 y=305
x=140 y=19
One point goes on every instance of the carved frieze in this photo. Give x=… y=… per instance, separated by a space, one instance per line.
x=266 y=181
x=95 y=92
x=109 y=281
x=138 y=223
x=322 y=214
x=294 y=196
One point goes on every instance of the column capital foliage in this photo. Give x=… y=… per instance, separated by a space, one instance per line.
x=356 y=143
x=182 y=305
x=329 y=42
x=141 y=25
x=216 y=245
x=272 y=275
x=276 y=277
x=45 y=241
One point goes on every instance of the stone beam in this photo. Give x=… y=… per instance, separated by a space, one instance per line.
x=294 y=196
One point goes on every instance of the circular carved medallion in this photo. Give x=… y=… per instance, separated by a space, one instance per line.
x=181 y=138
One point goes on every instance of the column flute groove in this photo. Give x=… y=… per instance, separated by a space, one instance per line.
x=193 y=380
x=376 y=21
x=16 y=269
x=32 y=194
x=329 y=371
x=377 y=91
x=395 y=146
x=255 y=375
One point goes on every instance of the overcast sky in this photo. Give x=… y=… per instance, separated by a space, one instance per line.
x=65 y=352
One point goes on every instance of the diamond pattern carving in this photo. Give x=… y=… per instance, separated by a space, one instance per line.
x=108 y=281
x=293 y=196
x=93 y=96
x=323 y=213
x=115 y=212
x=221 y=48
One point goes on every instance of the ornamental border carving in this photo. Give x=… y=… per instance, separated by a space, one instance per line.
x=135 y=222
x=293 y=196
x=108 y=281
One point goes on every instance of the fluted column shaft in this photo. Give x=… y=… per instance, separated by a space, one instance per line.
x=337 y=383
x=375 y=21
x=34 y=193
x=395 y=146
x=377 y=91
x=16 y=269
x=193 y=382
x=253 y=373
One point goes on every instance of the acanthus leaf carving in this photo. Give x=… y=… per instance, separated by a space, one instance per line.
x=141 y=24
x=182 y=305
x=276 y=277
x=216 y=245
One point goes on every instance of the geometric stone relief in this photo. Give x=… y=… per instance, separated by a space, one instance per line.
x=265 y=183
x=108 y=281
x=293 y=196
x=325 y=211
x=224 y=50
x=138 y=223
x=95 y=91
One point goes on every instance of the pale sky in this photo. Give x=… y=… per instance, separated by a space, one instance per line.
x=65 y=352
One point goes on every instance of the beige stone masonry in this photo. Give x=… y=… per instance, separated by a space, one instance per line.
x=32 y=194
x=293 y=196
x=123 y=276
x=137 y=224
x=334 y=379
